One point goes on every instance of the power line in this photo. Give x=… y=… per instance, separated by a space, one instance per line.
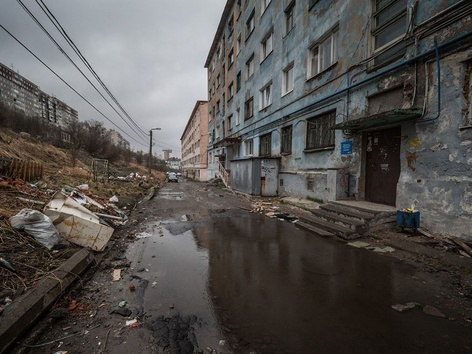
x=73 y=63
x=71 y=43
x=65 y=82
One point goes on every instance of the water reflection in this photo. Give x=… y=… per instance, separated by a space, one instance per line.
x=276 y=288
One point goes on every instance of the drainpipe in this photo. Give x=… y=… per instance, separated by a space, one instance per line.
x=421 y=120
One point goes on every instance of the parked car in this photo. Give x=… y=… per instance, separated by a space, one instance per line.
x=179 y=174
x=172 y=177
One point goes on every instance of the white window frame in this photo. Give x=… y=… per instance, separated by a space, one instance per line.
x=230 y=58
x=265 y=96
x=264 y=5
x=249 y=147
x=238 y=117
x=250 y=24
x=238 y=44
x=323 y=54
x=250 y=67
x=288 y=79
x=289 y=17
x=230 y=91
x=267 y=45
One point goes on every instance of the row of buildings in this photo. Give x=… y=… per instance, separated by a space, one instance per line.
x=335 y=99
x=18 y=93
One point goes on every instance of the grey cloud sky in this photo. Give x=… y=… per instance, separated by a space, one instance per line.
x=149 y=53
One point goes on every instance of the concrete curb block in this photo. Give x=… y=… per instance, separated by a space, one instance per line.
x=21 y=314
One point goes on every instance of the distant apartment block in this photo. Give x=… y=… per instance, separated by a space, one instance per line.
x=18 y=93
x=174 y=163
x=194 y=143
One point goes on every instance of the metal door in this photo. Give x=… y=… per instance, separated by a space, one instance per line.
x=382 y=165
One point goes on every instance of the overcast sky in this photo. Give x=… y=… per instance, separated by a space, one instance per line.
x=149 y=53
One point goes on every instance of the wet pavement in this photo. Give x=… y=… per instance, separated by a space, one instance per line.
x=212 y=275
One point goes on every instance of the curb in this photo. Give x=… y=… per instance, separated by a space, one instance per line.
x=22 y=314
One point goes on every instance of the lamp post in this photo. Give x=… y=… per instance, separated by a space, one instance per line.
x=150 y=149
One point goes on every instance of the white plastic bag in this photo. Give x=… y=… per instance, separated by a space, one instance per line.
x=37 y=225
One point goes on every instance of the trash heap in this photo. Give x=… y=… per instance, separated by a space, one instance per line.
x=272 y=211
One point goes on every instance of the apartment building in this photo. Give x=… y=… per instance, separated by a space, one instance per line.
x=194 y=143
x=18 y=93
x=366 y=100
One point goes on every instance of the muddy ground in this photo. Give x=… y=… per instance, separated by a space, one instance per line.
x=89 y=319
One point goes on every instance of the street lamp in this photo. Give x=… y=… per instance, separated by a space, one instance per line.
x=150 y=149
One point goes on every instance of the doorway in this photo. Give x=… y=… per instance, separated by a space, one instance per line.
x=382 y=169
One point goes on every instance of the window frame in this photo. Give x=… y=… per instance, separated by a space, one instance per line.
x=286 y=140
x=265 y=96
x=286 y=79
x=289 y=14
x=249 y=108
x=395 y=47
x=265 y=144
x=267 y=45
x=250 y=67
x=250 y=23
x=319 y=135
x=317 y=50
x=249 y=147
x=264 y=5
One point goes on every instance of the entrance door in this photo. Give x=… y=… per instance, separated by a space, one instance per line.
x=382 y=165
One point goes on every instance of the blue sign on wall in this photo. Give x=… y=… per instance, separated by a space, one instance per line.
x=346 y=148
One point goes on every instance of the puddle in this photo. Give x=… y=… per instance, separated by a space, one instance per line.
x=264 y=285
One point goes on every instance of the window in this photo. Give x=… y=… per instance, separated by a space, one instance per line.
x=248 y=147
x=238 y=81
x=265 y=96
x=289 y=23
x=287 y=79
x=230 y=58
x=319 y=133
x=265 y=145
x=218 y=106
x=218 y=81
x=238 y=116
x=311 y=3
x=230 y=25
x=250 y=67
x=230 y=91
x=264 y=4
x=249 y=108
x=250 y=24
x=286 y=147
x=238 y=44
x=266 y=45
x=389 y=25
x=323 y=54
x=228 y=122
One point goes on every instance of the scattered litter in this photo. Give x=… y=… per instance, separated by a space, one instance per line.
x=171 y=306
x=387 y=249
x=122 y=303
x=406 y=307
x=36 y=224
x=83 y=187
x=359 y=244
x=123 y=311
x=132 y=287
x=143 y=235
x=7 y=265
x=114 y=199
x=433 y=311
x=116 y=274
x=131 y=322
x=154 y=283
x=222 y=343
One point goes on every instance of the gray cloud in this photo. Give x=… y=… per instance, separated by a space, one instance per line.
x=149 y=53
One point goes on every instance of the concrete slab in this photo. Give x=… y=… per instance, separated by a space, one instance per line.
x=24 y=311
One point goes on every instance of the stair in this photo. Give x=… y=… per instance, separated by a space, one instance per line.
x=348 y=220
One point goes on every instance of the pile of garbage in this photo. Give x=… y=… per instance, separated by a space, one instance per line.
x=271 y=211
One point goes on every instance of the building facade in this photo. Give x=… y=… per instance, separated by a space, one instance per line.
x=118 y=140
x=194 y=143
x=18 y=93
x=367 y=100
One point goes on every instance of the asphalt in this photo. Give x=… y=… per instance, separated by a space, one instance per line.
x=23 y=313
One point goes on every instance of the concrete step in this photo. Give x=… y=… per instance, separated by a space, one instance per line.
x=317 y=231
x=341 y=231
x=354 y=224
x=348 y=212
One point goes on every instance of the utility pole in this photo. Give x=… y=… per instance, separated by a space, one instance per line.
x=150 y=149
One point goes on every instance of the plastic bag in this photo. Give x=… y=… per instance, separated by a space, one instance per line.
x=37 y=225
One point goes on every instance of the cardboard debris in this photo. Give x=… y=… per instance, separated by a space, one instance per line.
x=76 y=223
x=116 y=274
